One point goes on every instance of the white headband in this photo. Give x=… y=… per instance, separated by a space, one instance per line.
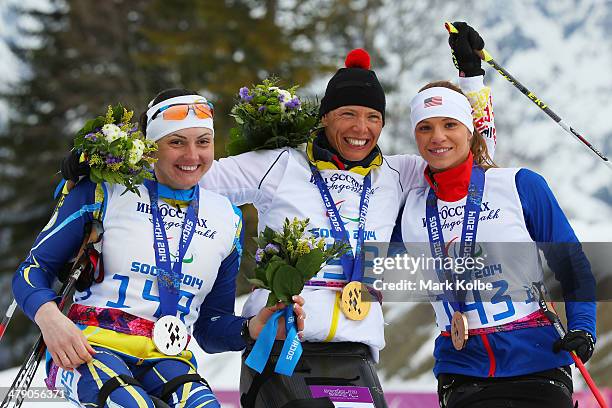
x=158 y=128
x=441 y=102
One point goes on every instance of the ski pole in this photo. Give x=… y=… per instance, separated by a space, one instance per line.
x=485 y=56
x=18 y=389
x=549 y=311
x=7 y=318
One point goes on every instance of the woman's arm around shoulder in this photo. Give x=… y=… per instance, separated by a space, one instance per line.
x=248 y=178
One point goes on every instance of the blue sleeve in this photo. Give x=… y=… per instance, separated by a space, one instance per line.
x=549 y=227
x=56 y=244
x=217 y=329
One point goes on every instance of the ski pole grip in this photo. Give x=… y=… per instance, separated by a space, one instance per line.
x=483 y=54
x=450 y=28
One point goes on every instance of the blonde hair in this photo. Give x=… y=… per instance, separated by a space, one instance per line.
x=479 y=145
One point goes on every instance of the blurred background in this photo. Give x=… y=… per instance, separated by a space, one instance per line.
x=62 y=62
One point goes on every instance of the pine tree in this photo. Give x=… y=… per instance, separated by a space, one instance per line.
x=84 y=54
x=79 y=59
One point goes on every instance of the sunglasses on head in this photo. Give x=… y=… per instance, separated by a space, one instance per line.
x=180 y=111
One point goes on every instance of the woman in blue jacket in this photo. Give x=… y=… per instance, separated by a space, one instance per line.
x=171 y=256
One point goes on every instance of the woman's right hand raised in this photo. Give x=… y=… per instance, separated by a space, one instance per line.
x=464 y=44
x=66 y=343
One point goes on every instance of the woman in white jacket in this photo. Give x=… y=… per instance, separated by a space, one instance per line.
x=283 y=183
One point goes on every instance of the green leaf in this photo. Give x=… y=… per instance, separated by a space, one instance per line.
x=89 y=127
x=269 y=234
x=107 y=176
x=287 y=281
x=258 y=283
x=117 y=113
x=272 y=300
x=115 y=145
x=310 y=264
x=238 y=146
x=260 y=274
x=95 y=175
x=260 y=241
x=271 y=270
x=98 y=123
x=112 y=177
x=260 y=100
x=234 y=133
x=276 y=258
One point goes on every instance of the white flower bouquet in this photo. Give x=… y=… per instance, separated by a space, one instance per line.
x=269 y=117
x=117 y=152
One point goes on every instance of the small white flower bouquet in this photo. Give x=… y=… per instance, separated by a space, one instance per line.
x=116 y=150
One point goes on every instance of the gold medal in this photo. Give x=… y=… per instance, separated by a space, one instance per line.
x=355 y=301
x=459 y=330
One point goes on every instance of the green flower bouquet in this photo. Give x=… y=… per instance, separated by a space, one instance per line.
x=116 y=150
x=269 y=117
x=288 y=259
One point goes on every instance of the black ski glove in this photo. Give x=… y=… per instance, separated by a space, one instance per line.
x=579 y=341
x=463 y=45
x=71 y=168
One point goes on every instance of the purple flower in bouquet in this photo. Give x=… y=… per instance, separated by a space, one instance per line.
x=259 y=254
x=262 y=108
x=272 y=249
x=110 y=159
x=293 y=103
x=91 y=136
x=244 y=94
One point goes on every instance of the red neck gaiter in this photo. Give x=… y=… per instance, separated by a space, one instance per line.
x=451 y=184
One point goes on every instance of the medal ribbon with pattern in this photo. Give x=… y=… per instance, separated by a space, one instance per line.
x=355 y=301
x=352 y=265
x=169 y=275
x=468 y=233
